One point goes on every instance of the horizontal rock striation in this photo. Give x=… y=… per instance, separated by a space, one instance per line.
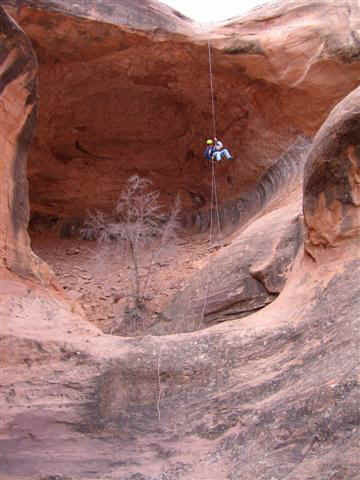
x=118 y=96
x=271 y=396
x=249 y=274
x=274 y=395
x=285 y=175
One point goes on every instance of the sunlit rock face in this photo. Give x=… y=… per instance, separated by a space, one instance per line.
x=243 y=278
x=332 y=181
x=274 y=395
x=310 y=47
x=125 y=88
x=18 y=102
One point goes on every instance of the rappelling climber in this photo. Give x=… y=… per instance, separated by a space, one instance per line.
x=209 y=150
x=215 y=150
x=220 y=151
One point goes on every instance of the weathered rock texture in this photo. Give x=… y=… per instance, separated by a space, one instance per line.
x=18 y=107
x=275 y=395
x=134 y=14
x=17 y=119
x=243 y=278
x=283 y=178
x=251 y=272
x=332 y=180
x=125 y=88
x=272 y=396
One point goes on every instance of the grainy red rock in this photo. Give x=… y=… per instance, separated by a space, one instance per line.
x=121 y=96
x=272 y=396
x=18 y=104
x=332 y=180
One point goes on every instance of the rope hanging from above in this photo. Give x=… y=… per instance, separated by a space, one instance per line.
x=212 y=90
x=220 y=152
x=214 y=206
x=214 y=153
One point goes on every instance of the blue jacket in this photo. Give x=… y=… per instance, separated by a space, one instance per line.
x=208 y=153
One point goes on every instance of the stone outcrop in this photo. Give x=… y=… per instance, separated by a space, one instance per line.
x=332 y=180
x=275 y=395
x=310 y=48
x=124 y=89
x=17 y=115
x=251 y=272
x=18 y=105
x=243 y=278
x=147 y=15
x=271 y=396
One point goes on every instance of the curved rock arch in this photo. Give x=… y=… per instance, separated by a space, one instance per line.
x=273 y=396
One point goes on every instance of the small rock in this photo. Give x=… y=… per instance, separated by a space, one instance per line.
x=72 y=251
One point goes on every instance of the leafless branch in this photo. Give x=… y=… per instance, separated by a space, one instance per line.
x=139 y=226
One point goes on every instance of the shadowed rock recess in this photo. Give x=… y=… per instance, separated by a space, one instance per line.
x=124 y=88
x=273 y=395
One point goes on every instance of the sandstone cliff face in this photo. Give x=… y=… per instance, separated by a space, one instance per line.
x=119 y=96
x=271 y=396
x=134 y=14
x=244 y=277
x=311 y=47
x=18 y=102
x=275 y=395
x=332 y=181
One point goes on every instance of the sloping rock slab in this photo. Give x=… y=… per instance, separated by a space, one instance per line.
x=242 y=277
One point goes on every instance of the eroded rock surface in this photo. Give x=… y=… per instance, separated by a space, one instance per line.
x=125 y=89
x=18 y=110
x=17 y=118
x=272 y=396
x=244 y=277
x=275 y=395
x=332 y=180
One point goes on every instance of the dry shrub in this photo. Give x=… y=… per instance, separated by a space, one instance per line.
x=139 y=230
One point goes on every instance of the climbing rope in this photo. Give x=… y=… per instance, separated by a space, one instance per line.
x=214 y=196
x=214 y=207
x=212 y=90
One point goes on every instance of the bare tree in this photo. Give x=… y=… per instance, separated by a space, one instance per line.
x=141 y=230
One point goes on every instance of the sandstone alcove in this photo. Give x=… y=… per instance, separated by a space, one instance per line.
x=271 y=395
x=117 y=99
x=114 y=101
